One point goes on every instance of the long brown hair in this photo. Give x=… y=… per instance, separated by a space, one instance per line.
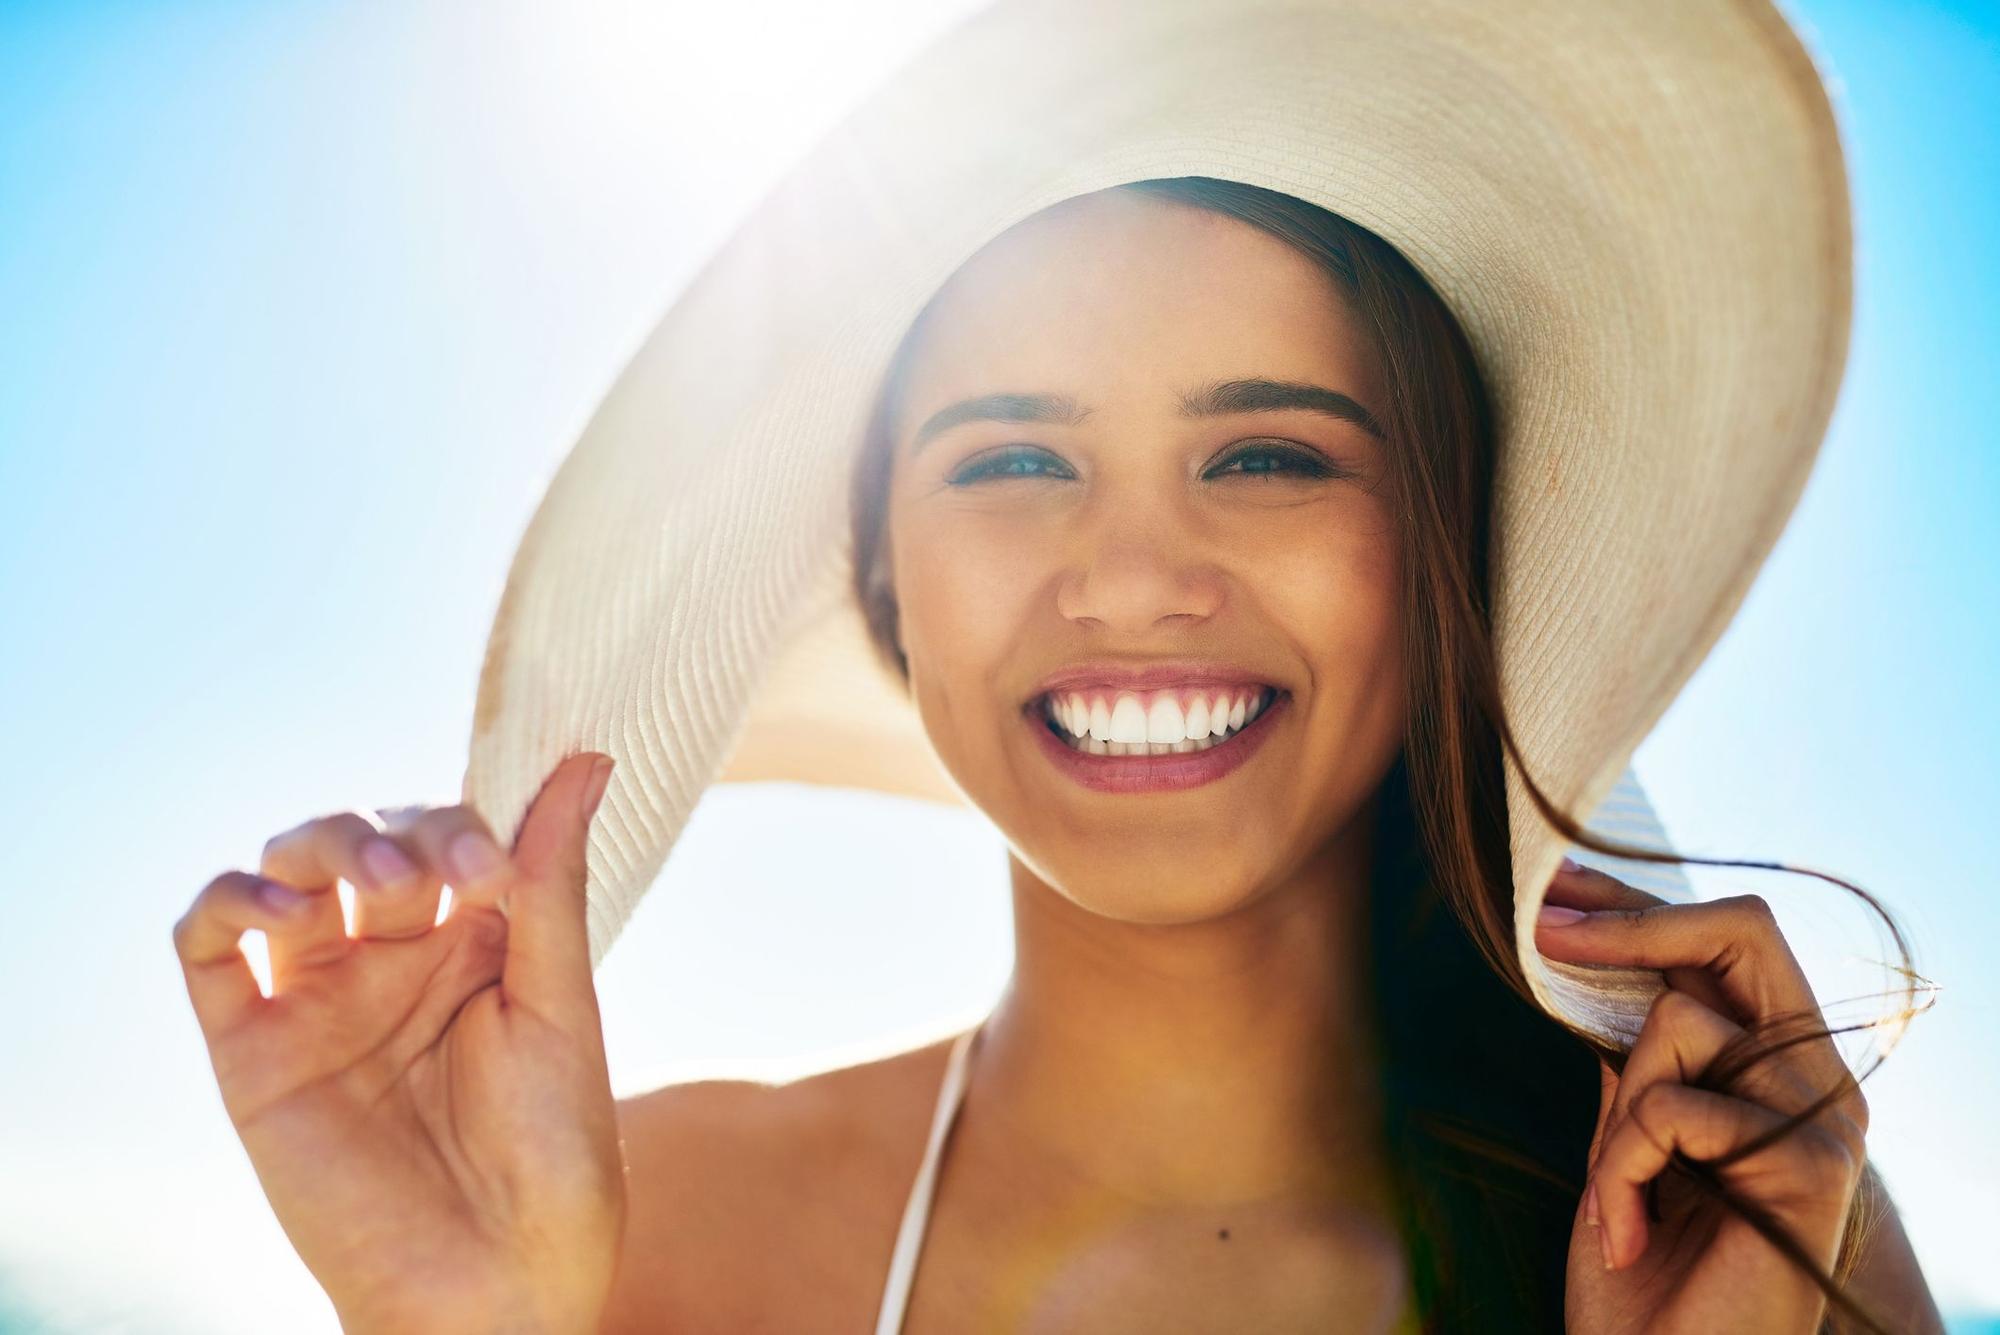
x=1490 y=1101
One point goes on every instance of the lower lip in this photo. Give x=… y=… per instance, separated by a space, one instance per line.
x=1152 y=774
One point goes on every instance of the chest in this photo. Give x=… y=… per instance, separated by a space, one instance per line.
x=1277 y=1267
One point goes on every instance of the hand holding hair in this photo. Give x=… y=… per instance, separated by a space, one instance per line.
x=1683 y=1099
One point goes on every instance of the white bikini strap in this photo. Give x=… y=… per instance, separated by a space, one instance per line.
x=916 y=1212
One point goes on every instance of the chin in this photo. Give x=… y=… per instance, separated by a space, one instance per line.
x=1141 y=896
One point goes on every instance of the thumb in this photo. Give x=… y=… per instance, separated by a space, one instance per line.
x=1607 y=1081
x=548 y=939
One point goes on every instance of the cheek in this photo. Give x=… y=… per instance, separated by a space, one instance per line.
x=963 y=587
x=1339 y=590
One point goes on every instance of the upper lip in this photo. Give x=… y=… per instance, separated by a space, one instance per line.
x=1111 y=675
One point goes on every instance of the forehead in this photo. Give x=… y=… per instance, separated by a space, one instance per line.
x=1118 y=298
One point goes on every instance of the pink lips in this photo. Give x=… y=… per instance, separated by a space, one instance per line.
x=1111 y=675
x=1147 y=774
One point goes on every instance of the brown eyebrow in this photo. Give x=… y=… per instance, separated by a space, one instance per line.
x=1221 y=397
x=1218 y=398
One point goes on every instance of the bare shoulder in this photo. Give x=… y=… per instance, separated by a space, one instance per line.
x=755 y=1206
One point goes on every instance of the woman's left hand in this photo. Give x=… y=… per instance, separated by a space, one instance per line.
x=1701 y=1268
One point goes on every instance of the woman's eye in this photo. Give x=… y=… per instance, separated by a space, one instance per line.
x=1253 y=461
x=1009 y=463
x=1265 y=460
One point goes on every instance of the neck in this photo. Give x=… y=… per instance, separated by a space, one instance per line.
x=1225 y=1061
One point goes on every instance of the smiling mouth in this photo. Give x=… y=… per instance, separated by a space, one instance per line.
x=1222 y=727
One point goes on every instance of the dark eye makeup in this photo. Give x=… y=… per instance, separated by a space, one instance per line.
x=1279 y=459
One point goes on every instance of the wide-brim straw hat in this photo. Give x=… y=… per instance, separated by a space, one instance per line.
x=1637 y=211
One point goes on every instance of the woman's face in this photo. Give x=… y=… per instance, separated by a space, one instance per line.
x=1244 y=552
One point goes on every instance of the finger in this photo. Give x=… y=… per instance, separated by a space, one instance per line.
x=1607 y=1091
x=208 y=942
x=399 y=897
x=1735 y=939
x=1590 y=889
x=548 y=945
x=1703 y=1126
x=1679 y=1038
x=1791 y=1078
x=454 y=846
x=314 y=857
x=1608 y=1082
x=1585 y=887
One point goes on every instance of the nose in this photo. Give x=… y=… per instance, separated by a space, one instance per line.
x=1135 y=573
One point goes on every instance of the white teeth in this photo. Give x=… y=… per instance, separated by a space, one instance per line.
x=1128 y=720
x=1122 y=726
x=1163 y=721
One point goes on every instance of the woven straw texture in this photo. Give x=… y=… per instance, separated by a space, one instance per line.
x=1638 y=212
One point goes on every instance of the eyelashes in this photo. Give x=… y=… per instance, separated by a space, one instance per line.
x=1001 y=463
x=1309 y=463
x=1280 y=461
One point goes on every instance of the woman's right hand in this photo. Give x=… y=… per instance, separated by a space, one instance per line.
x=427 y=1106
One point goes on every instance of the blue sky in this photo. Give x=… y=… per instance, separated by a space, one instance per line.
x=304 y=302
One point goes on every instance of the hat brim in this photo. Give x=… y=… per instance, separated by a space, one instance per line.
x=1637 y=212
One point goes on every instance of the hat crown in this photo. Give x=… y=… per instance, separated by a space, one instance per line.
x=1637 y=212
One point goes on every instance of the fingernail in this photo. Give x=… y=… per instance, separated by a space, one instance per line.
x=593 y=788
x=281 y=897
x=1555 y=915
x=471 y=856
x=385 y=862
x=1590 y=1204
x=1570 y=864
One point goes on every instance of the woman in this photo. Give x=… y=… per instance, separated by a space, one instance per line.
x=1209 y=1098
x=1162 y=318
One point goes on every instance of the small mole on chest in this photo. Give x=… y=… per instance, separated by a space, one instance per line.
x=1222 y=1233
